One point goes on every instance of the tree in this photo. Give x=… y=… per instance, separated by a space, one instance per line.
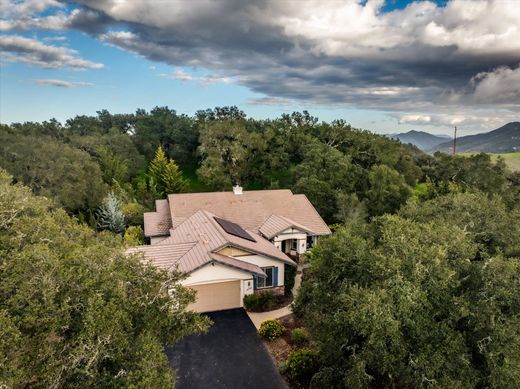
x=74 y=310
x=53 y=169
x=165 y=174
x=110 y=216
x=486 y=219
x=134 y=236
x=404 y=304
x=387 y=190
x=172 y=179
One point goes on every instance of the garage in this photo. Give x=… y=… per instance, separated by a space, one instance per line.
x=217 y=296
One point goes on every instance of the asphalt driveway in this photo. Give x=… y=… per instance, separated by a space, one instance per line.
x=230 y=355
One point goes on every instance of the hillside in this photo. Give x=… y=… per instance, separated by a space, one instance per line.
x=505 y=139
x=421 y=139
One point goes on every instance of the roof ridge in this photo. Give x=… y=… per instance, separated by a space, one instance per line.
x=210 y=216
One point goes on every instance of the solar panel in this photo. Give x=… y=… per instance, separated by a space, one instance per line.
x=234 y=229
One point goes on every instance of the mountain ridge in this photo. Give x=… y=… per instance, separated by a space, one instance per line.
x=505 y=139
x=423 y=140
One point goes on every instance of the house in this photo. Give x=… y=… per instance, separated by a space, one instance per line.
x=231 y=243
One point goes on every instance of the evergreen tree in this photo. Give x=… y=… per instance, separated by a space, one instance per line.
x=165 y=177
x=110 y=215
x=172 y=179
x=158 y=165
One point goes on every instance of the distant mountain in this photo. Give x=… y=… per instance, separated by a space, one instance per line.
x=421 y=139
x=505 y=139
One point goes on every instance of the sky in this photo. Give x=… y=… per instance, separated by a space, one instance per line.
x=387 y=66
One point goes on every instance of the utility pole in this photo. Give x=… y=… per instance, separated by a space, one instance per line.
x=455 y=141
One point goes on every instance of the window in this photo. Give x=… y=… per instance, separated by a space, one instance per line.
x=294 y=244
x=268 y=281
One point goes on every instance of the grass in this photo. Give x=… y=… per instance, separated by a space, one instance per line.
x=512 y=160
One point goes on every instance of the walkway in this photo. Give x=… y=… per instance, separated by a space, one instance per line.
x=258 y=317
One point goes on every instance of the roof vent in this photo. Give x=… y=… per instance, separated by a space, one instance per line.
x=237 y=189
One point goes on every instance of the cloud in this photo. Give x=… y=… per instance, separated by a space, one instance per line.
x=501 y=85
x=61 y=83
x=415 y=119
x=422 y=61
x=33 y=52
x=181 y=75
x=55 y=38
x=269 y=101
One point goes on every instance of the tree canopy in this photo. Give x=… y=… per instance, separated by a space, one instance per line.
x=74 y=310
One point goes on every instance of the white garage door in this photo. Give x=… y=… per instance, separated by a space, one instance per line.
x=216 y=297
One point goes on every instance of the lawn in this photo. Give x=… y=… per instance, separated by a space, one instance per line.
x=512 y=160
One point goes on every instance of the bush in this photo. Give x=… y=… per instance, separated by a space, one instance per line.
x=289 y=275
x=299 y=336
x=301 y=365
x=271 y=329
x=259 y=302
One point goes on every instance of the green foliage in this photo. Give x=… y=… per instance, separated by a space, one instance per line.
x=133 y=213
x=405 y=303
x=299 y=337
x=134 y=236
x=271 y=329
x=110 y=216
x=74 y=310
x=166 y=178
x=172 y=179
x=114 y=167
x=387 y=190
x=52 y=169
x=301 y=365
x=289 y=275
x=259 y=302
x=486 y=219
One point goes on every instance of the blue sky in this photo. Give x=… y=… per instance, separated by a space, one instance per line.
x=277 y=59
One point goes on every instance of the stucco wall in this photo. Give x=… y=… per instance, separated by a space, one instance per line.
x=262 y=261
x=215 y=272
x=157 y=239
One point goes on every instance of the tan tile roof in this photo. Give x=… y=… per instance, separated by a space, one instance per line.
x=250 y=209
x=234 y=262
x=164 y=256
x=276 y=224
x=193 y=243
x=158 y=223
x=202 y=227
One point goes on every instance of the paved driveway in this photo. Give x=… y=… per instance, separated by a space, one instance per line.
x=230 y=355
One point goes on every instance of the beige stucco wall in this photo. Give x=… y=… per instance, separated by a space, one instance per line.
x=157 y=239
x=233 y=252
x=216 y=272
x=263 y=261
x=292 y=233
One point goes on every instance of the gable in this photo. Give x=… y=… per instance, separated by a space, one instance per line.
x=234 y=251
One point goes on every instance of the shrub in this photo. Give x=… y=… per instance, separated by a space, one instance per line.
x=271 y=329
x=299 y=336
x=259 y=302
x=252 y=302
x=289 y=275
x=301 y=365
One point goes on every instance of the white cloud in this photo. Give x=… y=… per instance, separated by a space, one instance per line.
x=269 y=101
x=501 y=85
x=61 y=83
x=415 y=119
x=31 y=51
x=181 y=75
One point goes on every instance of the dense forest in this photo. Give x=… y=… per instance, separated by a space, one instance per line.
x=417 y=287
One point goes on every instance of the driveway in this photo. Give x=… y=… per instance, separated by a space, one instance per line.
x=230 y=355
